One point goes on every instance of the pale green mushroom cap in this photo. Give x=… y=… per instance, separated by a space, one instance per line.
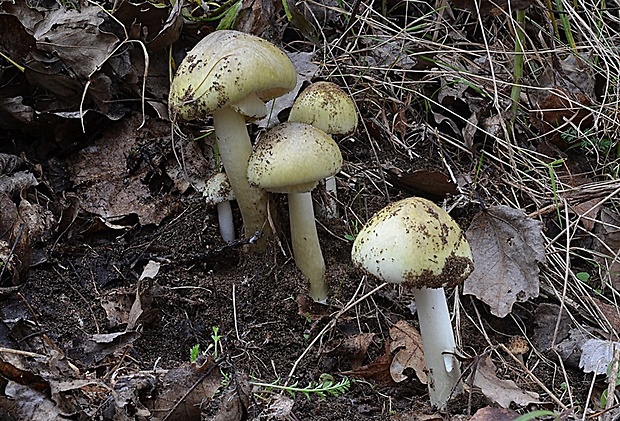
x=230 y=68
x=293 y=158
x=415 y=242
x=326 y=106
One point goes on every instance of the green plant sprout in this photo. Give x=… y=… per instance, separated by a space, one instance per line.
x=536 y=414
x=583 y=276
x=515 y=94
x=589 y=141
x=216 y=340
x=355 y=229
x=194 y=352
x=326 y=385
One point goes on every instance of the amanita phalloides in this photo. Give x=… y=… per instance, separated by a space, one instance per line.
x=291 y=158
x=231 y=74
x=416 y=243
x=326 y=106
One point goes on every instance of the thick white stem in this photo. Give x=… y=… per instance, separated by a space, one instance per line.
x=306 y=247
x=235 y=148
x=225 y=219
x=444 y=373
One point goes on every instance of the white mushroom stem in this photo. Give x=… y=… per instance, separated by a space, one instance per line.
x=443 y=370
x=225 y=219
x=235 y=148
x=306 y=248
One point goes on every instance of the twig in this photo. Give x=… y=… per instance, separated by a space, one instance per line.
x=533 y=377
x=234 y=303
x=611 y=388
x=24 y=353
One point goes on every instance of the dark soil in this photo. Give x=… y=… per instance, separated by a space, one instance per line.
x=256 y=301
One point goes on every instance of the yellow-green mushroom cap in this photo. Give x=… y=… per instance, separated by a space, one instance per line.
x=292 y=158
x=230 y=68
x=326 y=106
x=414 y=242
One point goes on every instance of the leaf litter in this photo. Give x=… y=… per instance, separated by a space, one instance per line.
x=507 y=248
x=88 y=226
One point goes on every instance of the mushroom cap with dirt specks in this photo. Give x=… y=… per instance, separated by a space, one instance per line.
x=227 y=68
x=414 y=242
x=326 y=106
x=292 y=158
x=218 y=190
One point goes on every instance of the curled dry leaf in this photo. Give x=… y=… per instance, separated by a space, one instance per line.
x=596 y=354
x=563 y=97
x=407 y=341
x=377 y=370
x=236 y=401
x=507 y=248
x=156 y=26
x=500 y=391
x=432 y=184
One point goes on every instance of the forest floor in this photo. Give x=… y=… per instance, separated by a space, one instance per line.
x=120 y=300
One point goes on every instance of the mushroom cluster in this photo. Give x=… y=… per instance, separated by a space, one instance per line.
x=416 y=243
x=412 y=242
x=230 y=75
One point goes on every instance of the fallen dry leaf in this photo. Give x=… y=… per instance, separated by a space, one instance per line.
x=108 y=188
x=378 y=369
x=310 y=309
x=563 y=98
x=611 y=312
x=408 y=341
x=490 y=413
x=425 y=183
x=502 y=392
x=596 y=354
x=235 y=402
x=353 y=348
x=281 y=407
x=507 y=248
x=183 y=389
x=95 y=348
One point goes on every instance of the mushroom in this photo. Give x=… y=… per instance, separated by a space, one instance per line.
x=291 y=158
x=231 y=74
x=218 y=192
x=326 y=106
x=415 y=243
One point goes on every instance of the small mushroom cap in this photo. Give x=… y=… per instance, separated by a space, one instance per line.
x=326 y=106
x=228 y=68
x=292 y=158
x=415 y=242
x=218 y=190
